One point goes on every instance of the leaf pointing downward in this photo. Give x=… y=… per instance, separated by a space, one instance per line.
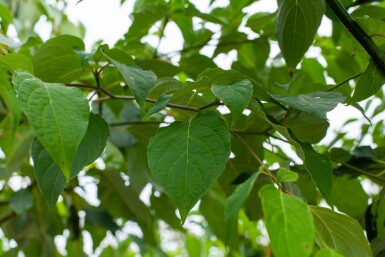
x=186 y=157
x=58 y=116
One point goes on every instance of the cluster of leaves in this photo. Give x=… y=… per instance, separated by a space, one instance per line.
x=158 y=133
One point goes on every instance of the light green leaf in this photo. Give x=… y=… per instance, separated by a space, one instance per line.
x=186 y=157
x=139 y=81
x=159 y=105
x=235 y=96
x=368 y=84
x=297 y=24
x=16 y=61
x=286 y=175
x=236 y=200
x=56 y=60
x=320 y=169
x=327 y=253
x=48 y=176
x=341 y=232
x=317 y=104
x=58 y=116
x=289 y=223
x=21 y=201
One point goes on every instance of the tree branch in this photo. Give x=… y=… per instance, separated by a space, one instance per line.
x=359 y=34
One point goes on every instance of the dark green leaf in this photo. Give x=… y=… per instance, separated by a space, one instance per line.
x=186 y=157
x=58 y=116
x=317 y=104
x=235 y=96
x=21 y=201
x=368 y=84
x=159 y=105
x=297 y=24
x=56 y=60
x=139 y=81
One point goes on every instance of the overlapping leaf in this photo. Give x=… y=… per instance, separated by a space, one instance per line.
x=49 y=178
x=139 y=81
x=235 y=96
x=58 y=116
x=56 y=60
x=341 y=232
x=186 y=157
x=297 y=24
x=317 y=104
x=289 y=223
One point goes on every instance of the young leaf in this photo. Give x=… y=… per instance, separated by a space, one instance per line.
x=139 y=81
x=297 y=24
x=16 y=61
x=236 y=200
x=186 y=157
x=235 y=96
x=58 y=116
x=286 y=175
x=368 y=84
x=289 y=223
x=159 y=105
x=317 y=104
x=48 y=176
x=56 y=60
x=341 y=232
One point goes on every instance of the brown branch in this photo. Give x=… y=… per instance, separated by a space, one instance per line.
x=135 y=122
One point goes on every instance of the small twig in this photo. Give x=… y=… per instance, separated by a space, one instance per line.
x=343 y=82
x=215 y=103
x=7 y=217
x=135 y=122
x=358 y=170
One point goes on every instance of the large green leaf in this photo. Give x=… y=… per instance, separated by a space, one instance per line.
x=139 y=81
x=289 y=223
x=236 y=200
x=48 y=176
x=341 y=232
x=56 y=60
x=58 y=116
x=186 y=157
x=368 y=84
x=349 y=196
x=235 y=96
x=317 y=104
x=297 y=24
x=326 y=252
x=15 y=61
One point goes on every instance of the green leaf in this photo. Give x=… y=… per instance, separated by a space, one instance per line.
x=340 y=232
x=21 y=201
x=306 y=127
x=235 y=96
x=297 y=24
x=58 y=116
x=236 y=200
x=186 y=157
x=289 y=223
x=320 y=169
x=159 y=105
x=56 y=60
x=317 y=104
x=349 y=196
x=286 y=175
x=48 y=176
x=139 y=81
x=15 y=61
x=368 y=84
x=327 y=253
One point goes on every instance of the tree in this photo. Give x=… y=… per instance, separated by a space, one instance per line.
x=158 y=133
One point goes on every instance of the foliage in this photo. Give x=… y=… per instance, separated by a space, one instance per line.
x=139 y=151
